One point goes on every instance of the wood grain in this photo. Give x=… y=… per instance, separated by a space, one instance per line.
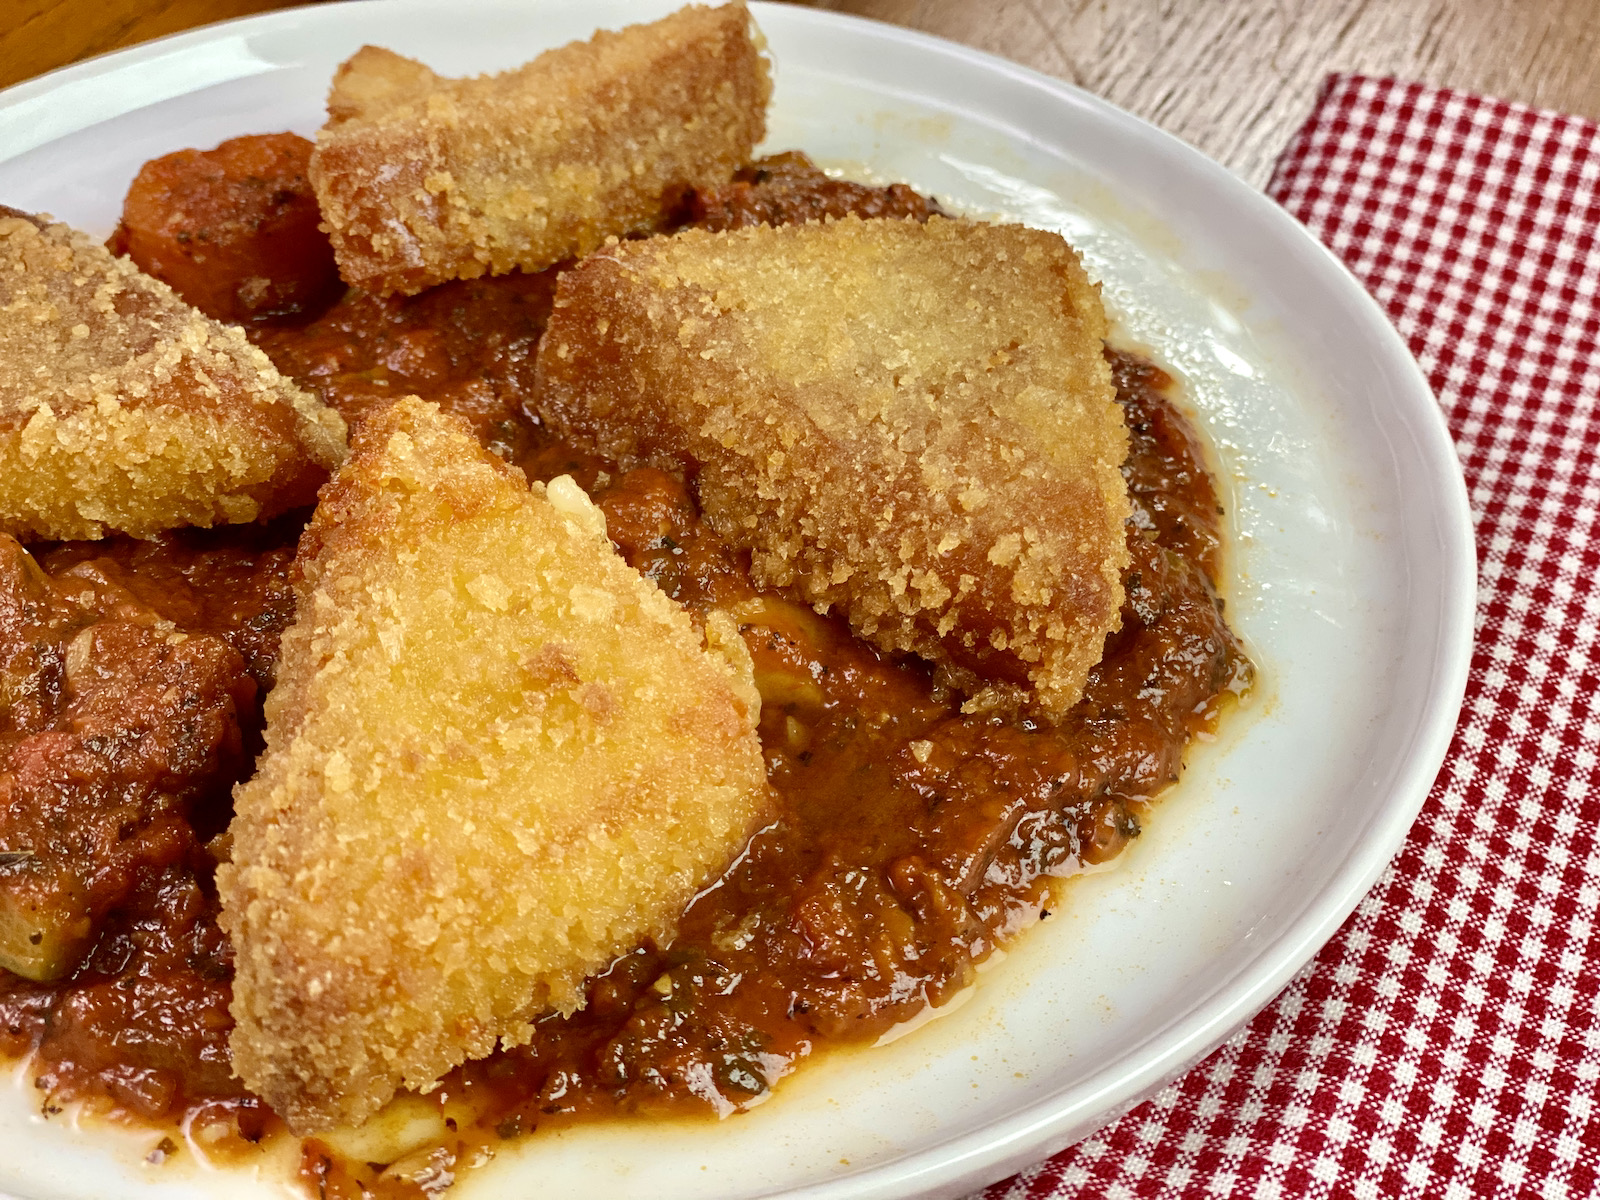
x=1234 y=77
x=39 y=35
x=1237 y=77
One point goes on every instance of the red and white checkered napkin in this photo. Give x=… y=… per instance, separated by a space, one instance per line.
x=1446 y=1042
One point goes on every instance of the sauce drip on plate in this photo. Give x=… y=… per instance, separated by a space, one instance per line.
x=910 y=840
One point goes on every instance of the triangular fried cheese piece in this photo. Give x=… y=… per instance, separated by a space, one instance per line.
x=497 y=757
x=421 y=178
x=912 y=423
x=124 y=410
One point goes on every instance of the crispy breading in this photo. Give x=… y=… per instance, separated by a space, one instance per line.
x=497 y=757
x=423 y=179
x=915 y=423
x=124 y=410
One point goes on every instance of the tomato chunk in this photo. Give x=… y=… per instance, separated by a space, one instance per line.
x=234 y=230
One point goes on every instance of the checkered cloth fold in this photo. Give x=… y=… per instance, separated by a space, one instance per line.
x=1446 y=1042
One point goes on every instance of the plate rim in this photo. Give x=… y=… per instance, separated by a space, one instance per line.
x=997 y=1147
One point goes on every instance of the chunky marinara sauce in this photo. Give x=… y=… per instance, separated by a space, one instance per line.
x=910 y=839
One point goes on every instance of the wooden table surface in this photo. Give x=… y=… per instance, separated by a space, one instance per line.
x=1234 y=77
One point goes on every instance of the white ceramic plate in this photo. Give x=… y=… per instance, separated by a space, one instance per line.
x=1352 y=563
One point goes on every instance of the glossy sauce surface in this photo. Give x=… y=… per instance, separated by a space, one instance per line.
x=910 y=838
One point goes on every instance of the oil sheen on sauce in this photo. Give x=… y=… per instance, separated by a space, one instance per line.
x=910 y=839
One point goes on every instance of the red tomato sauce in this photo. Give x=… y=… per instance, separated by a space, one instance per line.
x=911 y=840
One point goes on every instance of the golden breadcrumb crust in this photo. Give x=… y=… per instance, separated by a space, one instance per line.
x=497 y=757
x=123 y=410
x=913 y=422
x=423 y=179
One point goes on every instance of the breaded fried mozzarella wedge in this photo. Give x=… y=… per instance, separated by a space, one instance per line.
x=497 y=757
x=422 y=179
x=123 y=410
x=914 y=423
